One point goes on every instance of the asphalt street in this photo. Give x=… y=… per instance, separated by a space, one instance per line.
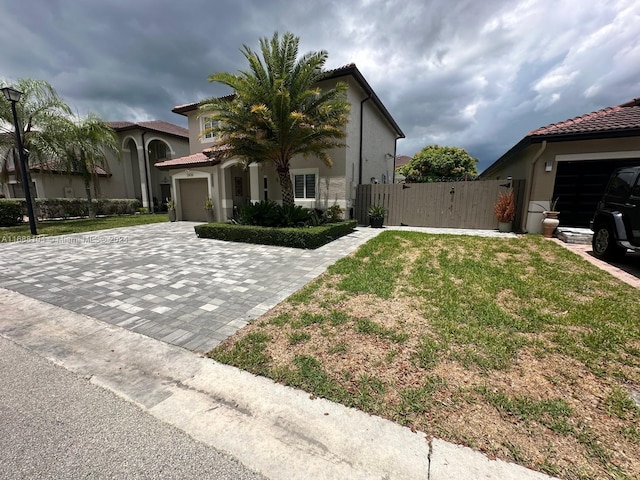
x=55 y=424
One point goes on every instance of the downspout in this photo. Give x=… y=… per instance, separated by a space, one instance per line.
x=527 y=198
x=395 y=153
x=361 y=133
x=145 y=159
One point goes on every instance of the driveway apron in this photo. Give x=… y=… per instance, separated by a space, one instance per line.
x=162 y=281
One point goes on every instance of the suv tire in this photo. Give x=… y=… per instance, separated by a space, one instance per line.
x=604 y=244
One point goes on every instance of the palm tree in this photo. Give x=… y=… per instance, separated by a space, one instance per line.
x=88 y=143
x=277 y=111
x=43 y=116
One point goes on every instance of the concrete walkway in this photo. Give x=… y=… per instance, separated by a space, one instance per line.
x=164 y=282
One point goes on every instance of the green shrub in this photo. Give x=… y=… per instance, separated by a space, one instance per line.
x=268 y=213
x=311 y=237
x=334 y=213
x=11 y=213
x=48 y=208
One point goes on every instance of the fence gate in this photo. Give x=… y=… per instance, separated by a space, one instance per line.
x=441 y=204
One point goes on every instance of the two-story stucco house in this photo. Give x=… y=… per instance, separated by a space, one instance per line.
x=367 y=157
x=131 y=174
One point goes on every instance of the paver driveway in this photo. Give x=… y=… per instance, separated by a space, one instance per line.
x=164 y=282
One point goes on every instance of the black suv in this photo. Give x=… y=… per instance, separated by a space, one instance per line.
x=616 y=223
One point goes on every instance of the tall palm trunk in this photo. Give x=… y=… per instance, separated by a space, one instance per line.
x=86 y=176
x=286 y=186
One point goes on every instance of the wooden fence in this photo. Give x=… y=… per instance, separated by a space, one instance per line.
x=443 y=204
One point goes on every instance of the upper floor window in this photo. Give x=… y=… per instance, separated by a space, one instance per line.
x=206 y=124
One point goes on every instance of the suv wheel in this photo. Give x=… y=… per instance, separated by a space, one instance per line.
x=604 y=244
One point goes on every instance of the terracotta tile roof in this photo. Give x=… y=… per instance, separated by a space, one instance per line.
x=208 y=157
x=188 y=107
x=402 y=160
x=154 y=125
x=621 y=117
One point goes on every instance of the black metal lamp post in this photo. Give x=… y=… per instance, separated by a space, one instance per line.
x=13 y=96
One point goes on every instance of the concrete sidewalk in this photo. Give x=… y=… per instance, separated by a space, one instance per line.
x=275 y=430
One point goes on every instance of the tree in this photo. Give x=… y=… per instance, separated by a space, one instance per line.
x=52 y=137
x=434 y=162
x=89 y=140
x=277 y=111
x=42 y=115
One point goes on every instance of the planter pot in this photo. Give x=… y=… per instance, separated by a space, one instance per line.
x=376 y=222
x=210 y=216
x=549 y=223
x=505 y=227
x=172 y=215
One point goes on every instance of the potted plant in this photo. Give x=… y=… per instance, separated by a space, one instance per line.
x=171 y=209
x=376 y=216
x=208 y=208
x=550 y=218
x=505 y=210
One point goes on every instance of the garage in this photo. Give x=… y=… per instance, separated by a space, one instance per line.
x=193 y=193
x=579 y=186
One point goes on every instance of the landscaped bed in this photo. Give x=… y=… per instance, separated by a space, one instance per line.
x=296 y=237
x=516 y=347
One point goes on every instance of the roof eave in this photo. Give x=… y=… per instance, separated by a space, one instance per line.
x=566 y=137
x=355 y=73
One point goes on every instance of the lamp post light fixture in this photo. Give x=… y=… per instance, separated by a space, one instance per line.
x=13 y=95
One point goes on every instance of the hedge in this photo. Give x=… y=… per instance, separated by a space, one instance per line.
x=10 y=213
x=308 y=237
x=48 y=208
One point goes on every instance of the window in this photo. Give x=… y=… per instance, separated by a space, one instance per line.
x=265 y=185
x=620 y=185
x=304 y=185
x=207 y=123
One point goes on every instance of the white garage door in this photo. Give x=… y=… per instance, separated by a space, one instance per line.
x=193 y=193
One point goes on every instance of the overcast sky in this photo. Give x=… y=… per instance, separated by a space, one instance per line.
x=477 y=74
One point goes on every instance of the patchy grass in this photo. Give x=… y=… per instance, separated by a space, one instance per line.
x=65 y=227
x=515 y=347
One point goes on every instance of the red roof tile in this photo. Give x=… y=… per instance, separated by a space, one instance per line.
x=154 y=125
x=621 y=117
x=208 y=157
x=402 y=160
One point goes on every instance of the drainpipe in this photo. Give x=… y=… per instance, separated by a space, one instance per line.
x=527 y=198
x=361 y=132
x=145 y=159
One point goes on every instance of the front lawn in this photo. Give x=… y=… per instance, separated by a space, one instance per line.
x=515 y=347
x=65 y=227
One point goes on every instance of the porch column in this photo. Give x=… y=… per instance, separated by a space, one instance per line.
x=255 y=183
x=143 y=178
x=224 y=186
x=216 y=192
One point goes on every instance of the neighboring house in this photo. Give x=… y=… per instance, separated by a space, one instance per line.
x=368 y=157
x=571 y=160
x=401 y=161
x=133 y=175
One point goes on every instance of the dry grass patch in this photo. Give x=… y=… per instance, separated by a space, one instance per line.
x=514 y=347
